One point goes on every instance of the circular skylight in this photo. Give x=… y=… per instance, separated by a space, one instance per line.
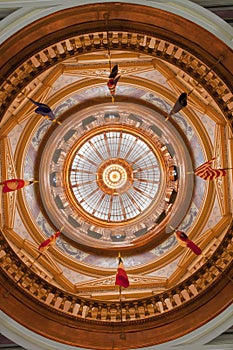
x=115 y=175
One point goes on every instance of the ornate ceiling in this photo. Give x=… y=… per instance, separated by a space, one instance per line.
x=115 y=176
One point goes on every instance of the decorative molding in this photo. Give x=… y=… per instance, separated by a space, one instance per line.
x=8 y=172
x=136 y=282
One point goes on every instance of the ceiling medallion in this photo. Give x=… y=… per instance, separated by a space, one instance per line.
x=115 y=176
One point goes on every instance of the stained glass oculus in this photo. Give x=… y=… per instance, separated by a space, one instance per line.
x=115 y=176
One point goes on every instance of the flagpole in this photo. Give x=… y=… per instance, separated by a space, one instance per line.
x=55 y=121
x=122 y=334
x=121 y=281
x=106 y=17
x=220 y=270
x=29 y=267
x=37 y=258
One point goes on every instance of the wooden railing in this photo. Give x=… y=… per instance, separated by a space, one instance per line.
x=123 y=310
x=156 y=47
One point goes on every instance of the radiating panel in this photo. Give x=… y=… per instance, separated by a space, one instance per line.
x=115 y=176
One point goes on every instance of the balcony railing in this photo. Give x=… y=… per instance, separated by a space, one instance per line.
x=70 y=304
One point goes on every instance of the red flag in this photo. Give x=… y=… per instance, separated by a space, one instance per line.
x=211 y=174
x=14 y=184
x=121 y=276
x=206 y=172
x=205 y=165
x=48 y=242
x=184 y=241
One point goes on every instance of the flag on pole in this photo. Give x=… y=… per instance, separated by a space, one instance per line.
x=206 y=172
x=14 y=184
x=121 y=275
x=114 y=71
x=211 y=174
x=180 y=103
x=184 y=241
x=44 y=110
x=49 y=242
x=113 y=79
x=205 y=165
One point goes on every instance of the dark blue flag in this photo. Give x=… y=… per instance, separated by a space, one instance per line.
x=181 y=102
x=44 y=110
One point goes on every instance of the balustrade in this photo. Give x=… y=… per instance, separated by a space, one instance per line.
x=117 y=41
x=109 y=311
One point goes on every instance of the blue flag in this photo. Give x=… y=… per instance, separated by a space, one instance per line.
x=43 y=110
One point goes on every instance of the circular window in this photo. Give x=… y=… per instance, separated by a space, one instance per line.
x=115 y=175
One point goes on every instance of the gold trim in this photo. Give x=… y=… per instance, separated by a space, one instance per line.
x=115 y=176
x=222 y=89
x=82 y=140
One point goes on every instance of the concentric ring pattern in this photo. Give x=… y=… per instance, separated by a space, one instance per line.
x=115 y=183
x=115 y=176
